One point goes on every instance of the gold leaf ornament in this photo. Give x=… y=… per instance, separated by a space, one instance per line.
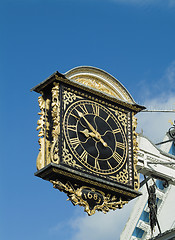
x=90 y=198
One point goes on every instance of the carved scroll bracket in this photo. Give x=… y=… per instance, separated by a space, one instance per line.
x=90 y=198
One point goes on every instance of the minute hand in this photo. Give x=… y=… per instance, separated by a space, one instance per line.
x=88 y=123
x=97 y=135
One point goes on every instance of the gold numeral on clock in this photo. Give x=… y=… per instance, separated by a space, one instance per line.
x=109 y=165
x=84 y=156
x=117 y=157
x=84 y=109
x=107 y=118
x=77 y=117
x=97 y=165
x=120 y=145
x=72 y=127
x=117 y=130
x=96 y=109
x=75 y=142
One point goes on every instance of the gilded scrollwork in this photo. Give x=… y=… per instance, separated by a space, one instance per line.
x=43 y=126
x=48 y=124
x=135 y=151
x=47 y=131
x=55 y=109
x=68 y=158
x=90 y=198
x=113 y=203
x=41 y=135
x=96 y=83
x=68 y=98
x=122 y=117
x=122 y=176
x=41 y=121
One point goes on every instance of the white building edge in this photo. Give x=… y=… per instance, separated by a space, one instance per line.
x=159 y=163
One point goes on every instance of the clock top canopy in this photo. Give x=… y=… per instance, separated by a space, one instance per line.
x=100 y=80
x=96 y=81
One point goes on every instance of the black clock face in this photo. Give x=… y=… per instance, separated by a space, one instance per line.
x=95 y=137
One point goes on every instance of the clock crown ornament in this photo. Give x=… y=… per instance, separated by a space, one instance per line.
x=88 y=147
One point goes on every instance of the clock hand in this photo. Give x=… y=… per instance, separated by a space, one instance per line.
x=97 y=135
x=103 y=142
x=88 y=134
x=94 y=132
x=85 y=132
x=88 y=123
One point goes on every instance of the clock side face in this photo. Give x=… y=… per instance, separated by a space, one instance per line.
x=95 y=137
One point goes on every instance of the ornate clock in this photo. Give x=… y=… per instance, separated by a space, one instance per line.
x=87 y=138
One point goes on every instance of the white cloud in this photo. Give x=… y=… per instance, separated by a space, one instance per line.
x=155 y=125
x=101 y=226
x=170 y=75
x=171 y=3
x=168 y=3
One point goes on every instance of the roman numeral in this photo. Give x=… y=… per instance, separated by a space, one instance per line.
x=84 y=109
x=116 y=130
x=120 y=145
x=84 y=156
x=117 y=157
x=77 y=117
x=97 y=165
x=95 y=109
x=75 y=142
x=72 y=127
x=107 y=118
x=109 y=165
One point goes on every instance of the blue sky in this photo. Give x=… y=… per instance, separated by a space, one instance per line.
x=132 y=40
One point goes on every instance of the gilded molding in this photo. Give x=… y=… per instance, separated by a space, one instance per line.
x=135 y=151
x=90 y=198
x=98 y=184
x=55 y=112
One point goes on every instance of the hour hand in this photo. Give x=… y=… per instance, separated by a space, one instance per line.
x=103 y=142
x=96 y=136
x=87 y=133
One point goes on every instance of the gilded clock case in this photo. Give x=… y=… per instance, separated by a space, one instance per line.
x=56 y=161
